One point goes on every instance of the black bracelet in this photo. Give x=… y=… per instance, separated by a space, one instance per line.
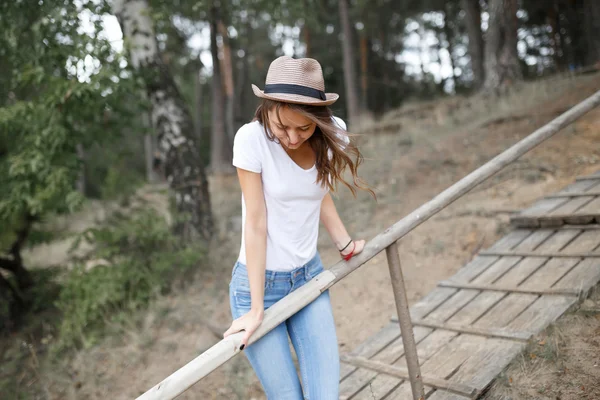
x=346 y=246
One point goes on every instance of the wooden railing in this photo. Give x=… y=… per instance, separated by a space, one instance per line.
x=204 y=364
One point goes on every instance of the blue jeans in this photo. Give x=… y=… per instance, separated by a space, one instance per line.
x=312 y=332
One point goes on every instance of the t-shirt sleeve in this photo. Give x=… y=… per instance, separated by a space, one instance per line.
x=340 y=122
x=247 y=149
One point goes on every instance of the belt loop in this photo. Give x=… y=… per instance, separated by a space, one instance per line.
x=307 y=271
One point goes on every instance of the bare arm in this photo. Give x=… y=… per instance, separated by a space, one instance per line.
x=255 y=235
x=255 y=238
x=336 y=228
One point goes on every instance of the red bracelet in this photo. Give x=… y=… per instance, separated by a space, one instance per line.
x=348 y=256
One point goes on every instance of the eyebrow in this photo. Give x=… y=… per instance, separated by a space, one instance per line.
x=302 y=126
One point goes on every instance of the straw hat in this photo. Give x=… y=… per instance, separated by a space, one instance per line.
x=297 y=81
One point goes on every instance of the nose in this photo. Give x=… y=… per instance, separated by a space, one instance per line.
x=293 y=138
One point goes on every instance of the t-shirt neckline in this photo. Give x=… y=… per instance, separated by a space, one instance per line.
x=276 y=141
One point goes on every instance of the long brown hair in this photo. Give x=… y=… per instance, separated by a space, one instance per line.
x=327 y=136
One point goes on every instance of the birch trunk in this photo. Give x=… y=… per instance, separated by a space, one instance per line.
x=171 y=120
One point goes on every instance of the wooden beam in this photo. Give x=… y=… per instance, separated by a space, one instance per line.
x=581 y=227
x=537 y=254
x=402 y=373
x=493 y=332
x=509 y=289
x=406 y=329
x=198 y=368
x=574 y=194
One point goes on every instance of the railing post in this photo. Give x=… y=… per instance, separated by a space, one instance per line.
x=408 y=337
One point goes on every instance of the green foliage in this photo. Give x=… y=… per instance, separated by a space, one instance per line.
x=55 y=95
x=138 y=258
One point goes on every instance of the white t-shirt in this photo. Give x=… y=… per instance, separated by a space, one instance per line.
x=292 y=197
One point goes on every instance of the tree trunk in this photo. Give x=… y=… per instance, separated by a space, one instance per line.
x=15 y=265
x=473 y=24
x=449 y=35
x=219 y=164
x=349 y=70
x=306 y=34
x=592 y=31
x=198 y=92
x=15 y=302
x=501 y=58
x=364 y=77
x=227 y=73
x=553 y=21
x=81 y=178
x=171 y=120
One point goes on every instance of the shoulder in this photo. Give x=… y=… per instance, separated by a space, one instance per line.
x=340 y=122
x=250 y=135
x=250 y=131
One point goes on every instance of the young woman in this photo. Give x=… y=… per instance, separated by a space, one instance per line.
x=288 y=159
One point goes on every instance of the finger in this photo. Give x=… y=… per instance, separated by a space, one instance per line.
x=232 y=329
x=245 y=339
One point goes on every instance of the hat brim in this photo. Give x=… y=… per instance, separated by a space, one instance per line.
x=330 y=98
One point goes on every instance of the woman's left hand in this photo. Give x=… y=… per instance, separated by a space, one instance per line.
x=355 y=248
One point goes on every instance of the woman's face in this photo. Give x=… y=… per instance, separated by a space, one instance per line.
x=294 y=129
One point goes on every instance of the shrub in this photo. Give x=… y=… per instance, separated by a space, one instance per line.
x=137 y=258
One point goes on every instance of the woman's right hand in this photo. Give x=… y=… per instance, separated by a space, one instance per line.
x=248 y=322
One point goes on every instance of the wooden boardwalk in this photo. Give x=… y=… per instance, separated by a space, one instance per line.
x=471 y=326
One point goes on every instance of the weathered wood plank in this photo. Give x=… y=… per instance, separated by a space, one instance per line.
x=510 y=289
x=512 y=239
x=487 y=361
x=403 y=392
x=505 y=311
x=479 y=264
x=541 y=313
x=592 y=207
x=361 y=377
x=520 y=272
x=451 y=306
x=530 y=216
x=430 y=302
x=556 y=268
x=571 y=206
x=593 y=178
x=474 y=268
x=402 y=373
x=442 y=395
x=352 y=379
x=495 y=271
x=583 y=276
x=446 y=362
x=383 y=384
x=476 y=308
x=372 y=346
x=575 y=194
x=545 y=254
x=548 y=274
x=471 y=330
x=506 y=264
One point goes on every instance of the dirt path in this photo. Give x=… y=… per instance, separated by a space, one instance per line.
x=406 y=169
